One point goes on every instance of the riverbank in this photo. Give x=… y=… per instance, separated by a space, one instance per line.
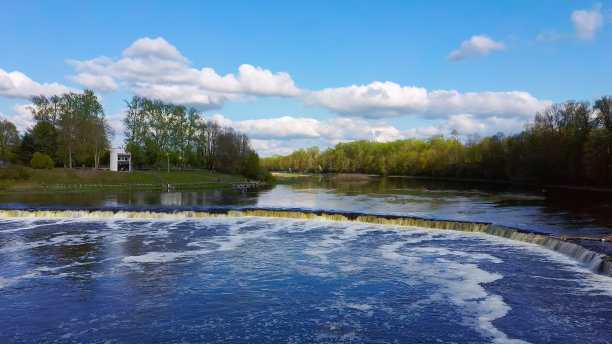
x=64 y=179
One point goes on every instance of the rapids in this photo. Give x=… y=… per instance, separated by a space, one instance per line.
x=389 y=260
x=96 y=276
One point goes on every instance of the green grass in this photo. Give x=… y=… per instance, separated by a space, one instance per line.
x=40 y=177
x=198 y=177
x=73 y=176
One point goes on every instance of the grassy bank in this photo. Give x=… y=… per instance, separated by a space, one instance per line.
x=199 y=177
x=40 y=179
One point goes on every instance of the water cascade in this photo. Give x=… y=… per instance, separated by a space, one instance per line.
x=597 y=262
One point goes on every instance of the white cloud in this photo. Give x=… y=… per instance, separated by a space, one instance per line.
x=423 y=132
x=17 y=85
x=115 y=121
x=510 y=104
x=388 y=99
x=258 y=81
x=155 y=68
x=477 y=46
x=467 y=124
x=266 y=148
x=586 y=22
x=375 y=100
x=154 y=48
x=283 y=127
x=281 y=136
x=273 y=135
x=102 y=83
x=22 y=118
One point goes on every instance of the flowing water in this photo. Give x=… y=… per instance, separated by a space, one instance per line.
x=387 y=261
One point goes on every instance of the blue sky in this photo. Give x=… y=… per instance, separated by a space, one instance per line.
x=295 y=74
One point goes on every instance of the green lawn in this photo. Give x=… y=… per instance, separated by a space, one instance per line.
x=198 y=177
x=74 y=176
x=41 y=177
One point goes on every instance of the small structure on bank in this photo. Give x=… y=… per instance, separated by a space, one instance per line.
x=120 y=160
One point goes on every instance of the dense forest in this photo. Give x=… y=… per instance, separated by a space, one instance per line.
x=567 y=143
x=71 y=131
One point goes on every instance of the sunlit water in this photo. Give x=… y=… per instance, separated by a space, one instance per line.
x=254 y=279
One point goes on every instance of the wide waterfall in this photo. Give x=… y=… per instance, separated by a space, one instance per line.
x=597 y=262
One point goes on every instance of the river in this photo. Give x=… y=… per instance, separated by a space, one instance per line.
x=317 y=260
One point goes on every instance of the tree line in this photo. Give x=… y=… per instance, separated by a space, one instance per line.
x=71 y=130
x=567 y=143
x=158 y=133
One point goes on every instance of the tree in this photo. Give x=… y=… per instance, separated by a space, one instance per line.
x=135 y=129
x=78 y=123
x=97 y=140
x=27 y=147
x=47 y=109
x=9 y=140
x=603 y=109
x=46 y=138
x=209 y=143
x=81 y=131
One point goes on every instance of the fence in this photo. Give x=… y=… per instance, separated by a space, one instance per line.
x=240 y=185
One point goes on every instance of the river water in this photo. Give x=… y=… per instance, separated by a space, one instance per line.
x=140 y=267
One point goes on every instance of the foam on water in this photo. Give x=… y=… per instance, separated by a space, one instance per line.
x=458 y=282
x=424 y=260
x=595 y=261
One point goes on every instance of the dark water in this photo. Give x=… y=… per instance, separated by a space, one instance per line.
x=557 y=212
x=279 y=280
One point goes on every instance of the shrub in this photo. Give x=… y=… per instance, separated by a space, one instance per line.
x=41 y=161
x=14 y=173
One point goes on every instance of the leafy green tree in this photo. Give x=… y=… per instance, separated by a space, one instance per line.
x=81 y=131
x=27 y=147
x=46 y=137
x=9 y=140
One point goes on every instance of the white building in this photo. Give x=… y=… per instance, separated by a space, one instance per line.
x=120 y=160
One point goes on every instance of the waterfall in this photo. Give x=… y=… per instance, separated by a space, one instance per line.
x=597 y=262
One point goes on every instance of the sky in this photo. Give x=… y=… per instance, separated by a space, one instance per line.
x=296 y=74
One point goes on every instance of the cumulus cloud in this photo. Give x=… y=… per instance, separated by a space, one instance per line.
x=115 y=121
x=273 y=135
x=18 y=85
x=288 y=127
x=102 y=83
x=154 y=48
x=155 y=68
x=509 y=104
x=477 y=46
x=22 y=118
x=281 y=136
x=468 y=124
x=388 y=99
x=586 y=22
x=283 y=127
x=375 y=100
